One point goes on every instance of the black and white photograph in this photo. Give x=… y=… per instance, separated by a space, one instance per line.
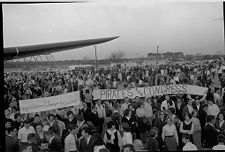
x=113 y=75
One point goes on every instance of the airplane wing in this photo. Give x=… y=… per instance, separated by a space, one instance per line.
x=40 y=49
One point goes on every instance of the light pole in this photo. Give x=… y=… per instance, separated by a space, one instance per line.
x=157 y=55
x=95 y=57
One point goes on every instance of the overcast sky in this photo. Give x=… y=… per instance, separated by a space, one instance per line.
x=188 y=27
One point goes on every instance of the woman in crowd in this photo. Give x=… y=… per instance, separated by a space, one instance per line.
x=169 y=135
x=220 y=123
x=112 y=138
x=187 y=126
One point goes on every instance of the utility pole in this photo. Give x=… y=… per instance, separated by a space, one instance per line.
x=157 y=55
x=95 y=57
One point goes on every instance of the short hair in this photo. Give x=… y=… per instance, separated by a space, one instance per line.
x=27 y=121
x=220 y=138
x=71 y=126
x=155 y=128
x=54 y=129
x=219 y=114
x=110 y=124
x=108 y=113
x=152 y=133
x=188 y=114
x=87 y=130
x=168 y=117
x=69 y=113
x=51 y=115
x=126 y=127
x=209 y=118
x=204 y=105
x=126 y=112
x=129 y=146
x=186 y=136
x=80 y=117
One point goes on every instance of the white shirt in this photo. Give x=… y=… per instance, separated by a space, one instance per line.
x=168 y=130
x=189 y=146
x=23 y=132
x=213 y=110
x=164 y=104
x=127 y=138
x=70 y=143
x=219 y=147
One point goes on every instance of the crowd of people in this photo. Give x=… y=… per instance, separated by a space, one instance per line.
x=154 y=123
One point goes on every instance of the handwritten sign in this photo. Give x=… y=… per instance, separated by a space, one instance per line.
x=49 y=103
x=107 y=94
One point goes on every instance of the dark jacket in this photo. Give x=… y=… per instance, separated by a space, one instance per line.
x=85 y=113
x=84 y=147
x=131 y=122
x=222 y=128
x=153 y=145
x=210 y=136
x=94 y=119
x=55 y=145
x=11 y=144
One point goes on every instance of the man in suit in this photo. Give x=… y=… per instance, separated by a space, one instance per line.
x=86 y=143
x=54 y=143
x=11 y=143
x=210 y=132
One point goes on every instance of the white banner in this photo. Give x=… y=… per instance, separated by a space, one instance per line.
x=107 y=94
x=49 y=103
